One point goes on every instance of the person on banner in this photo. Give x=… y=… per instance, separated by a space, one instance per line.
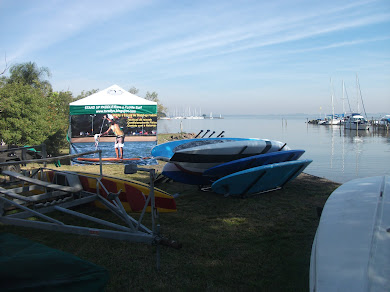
x=120 y=135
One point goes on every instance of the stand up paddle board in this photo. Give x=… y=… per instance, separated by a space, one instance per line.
x=350 y=250
x=253 y=161
x=171 y=171
x=110 y=159
x=259 y=179
x=165 y=151
x=133 y=194
x=200 y=158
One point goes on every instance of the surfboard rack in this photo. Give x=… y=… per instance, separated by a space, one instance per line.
x=33 y=193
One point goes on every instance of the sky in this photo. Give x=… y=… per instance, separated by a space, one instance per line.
x=226 y=57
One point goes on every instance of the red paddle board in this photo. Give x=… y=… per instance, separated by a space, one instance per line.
x=114 y=159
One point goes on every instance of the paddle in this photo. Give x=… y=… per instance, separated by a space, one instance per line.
x=199 y=133
x=282 y=147
x=212 y=134
x=205 y=133
x=220 y=134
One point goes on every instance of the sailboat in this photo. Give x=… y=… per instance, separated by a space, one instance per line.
x=333 y=119
x=344 y=115
x=355 y=120
x=196 y=116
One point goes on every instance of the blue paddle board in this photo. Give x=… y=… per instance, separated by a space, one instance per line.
x=253 y=161
x=259 y=179
x=171 y=171
x=166 y=150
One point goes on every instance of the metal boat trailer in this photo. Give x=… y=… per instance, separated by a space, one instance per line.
x=30 y=194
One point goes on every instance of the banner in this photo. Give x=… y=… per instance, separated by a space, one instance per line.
x=129 y=124
x=112 y=109
x=133 y=152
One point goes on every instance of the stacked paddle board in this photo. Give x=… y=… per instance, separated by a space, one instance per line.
x=232 y=166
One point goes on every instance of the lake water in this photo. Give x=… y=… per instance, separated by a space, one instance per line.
x=338 y=155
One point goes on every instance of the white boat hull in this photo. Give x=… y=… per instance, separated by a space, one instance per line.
x=356 y=122
x=356 y=126
x=351 y=249
x=333 y=122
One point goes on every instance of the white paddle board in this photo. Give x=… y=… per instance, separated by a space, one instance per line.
x=200 y=158
x=166 y=150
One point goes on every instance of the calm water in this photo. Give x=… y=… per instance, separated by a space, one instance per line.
x=339 y=155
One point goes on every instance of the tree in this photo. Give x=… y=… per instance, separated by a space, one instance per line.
x=85 y=94
x=3 y=81
x=31 y=113
x=29 y=118
x=29 y=73
x=24 y=118
x=58 y=113
x=6 y=66
x=160 y=108
x=134 y=90
x=153 y=96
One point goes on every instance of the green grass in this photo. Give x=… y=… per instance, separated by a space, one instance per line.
x=259 y=243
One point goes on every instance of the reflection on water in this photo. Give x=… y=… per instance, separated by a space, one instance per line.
x=339 y=155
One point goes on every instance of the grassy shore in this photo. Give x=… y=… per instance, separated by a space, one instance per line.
x=259 y=243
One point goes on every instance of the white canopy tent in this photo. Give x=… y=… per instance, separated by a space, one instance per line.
x=113 y=100
x=136 y=116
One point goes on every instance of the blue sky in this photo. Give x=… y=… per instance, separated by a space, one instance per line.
x=255 y=57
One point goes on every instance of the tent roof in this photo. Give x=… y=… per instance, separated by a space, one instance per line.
x=113 y=95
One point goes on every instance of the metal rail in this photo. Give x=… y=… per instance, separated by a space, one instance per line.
x=50 y=159
x=60 y=197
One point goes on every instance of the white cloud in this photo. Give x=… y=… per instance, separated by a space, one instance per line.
x=214 y=44
x=51 y=22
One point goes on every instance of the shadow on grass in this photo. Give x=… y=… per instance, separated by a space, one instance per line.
x=258 y=243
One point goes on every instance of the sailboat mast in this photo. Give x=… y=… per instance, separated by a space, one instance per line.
x=343 y=101
x=331 y=84
x=357 y=95
x=349 y=104
x=361 y=97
